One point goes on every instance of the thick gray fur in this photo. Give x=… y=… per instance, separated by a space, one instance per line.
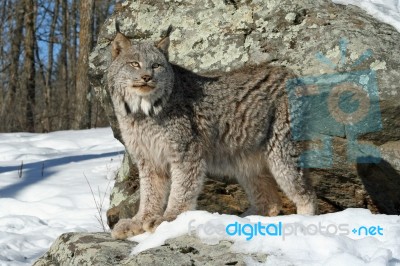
x=178 y=127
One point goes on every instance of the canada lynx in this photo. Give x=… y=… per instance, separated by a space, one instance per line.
x=178 y=127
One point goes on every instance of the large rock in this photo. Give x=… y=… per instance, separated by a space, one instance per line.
x=100 y=249
x=216 y=35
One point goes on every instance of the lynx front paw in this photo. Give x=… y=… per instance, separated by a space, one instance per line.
x=126 y=228
x=151 y=224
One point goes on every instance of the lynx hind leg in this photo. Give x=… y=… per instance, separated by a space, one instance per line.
x=262 y=193
x=282 y=162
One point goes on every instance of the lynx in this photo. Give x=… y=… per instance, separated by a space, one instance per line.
x=179 y=126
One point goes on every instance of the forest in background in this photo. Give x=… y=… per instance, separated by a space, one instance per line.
x=44 y=49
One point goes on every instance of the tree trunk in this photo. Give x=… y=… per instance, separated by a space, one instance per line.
x=83 y=111
x=48 y=81
x=9 y=120
x=29 y=64
x=3 y=61
x=64 y=115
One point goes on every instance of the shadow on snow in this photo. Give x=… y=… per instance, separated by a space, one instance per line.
x=32 y=172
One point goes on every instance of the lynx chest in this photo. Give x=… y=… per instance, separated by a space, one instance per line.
x=148 y=141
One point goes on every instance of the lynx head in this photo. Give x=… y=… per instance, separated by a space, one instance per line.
x=140 y=74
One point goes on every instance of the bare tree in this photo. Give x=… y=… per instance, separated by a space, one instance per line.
x=64 y=64
x=44 y=48
x=3 y=63
x=48 y=81
x=83 y=109
x=29 y=64
x=9 y=120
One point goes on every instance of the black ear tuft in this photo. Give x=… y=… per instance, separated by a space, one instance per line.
x=169 y=31
x=117 y=26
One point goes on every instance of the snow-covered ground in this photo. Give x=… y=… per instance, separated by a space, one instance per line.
x=293 y=239
x=50 y=195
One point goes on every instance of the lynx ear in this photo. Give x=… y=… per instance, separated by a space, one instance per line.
x=163 y=45
x=120 y=43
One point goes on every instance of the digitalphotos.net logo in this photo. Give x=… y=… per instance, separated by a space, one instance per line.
x=343 y=104
x=282 y=230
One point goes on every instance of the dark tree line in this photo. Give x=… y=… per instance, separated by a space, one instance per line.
x=44 y=50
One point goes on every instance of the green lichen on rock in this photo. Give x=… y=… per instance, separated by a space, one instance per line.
x=215 y=35
x=101 y=249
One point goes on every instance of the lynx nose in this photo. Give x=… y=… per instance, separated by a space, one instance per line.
x=146 y=78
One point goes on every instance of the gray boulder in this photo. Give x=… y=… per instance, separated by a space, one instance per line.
x=101 y=249
x=217 y=35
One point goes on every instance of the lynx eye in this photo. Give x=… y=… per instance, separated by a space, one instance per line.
x=134 y=64
x=155 y=65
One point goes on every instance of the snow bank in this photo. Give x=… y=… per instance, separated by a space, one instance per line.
x=351 y=237
x=50 y=195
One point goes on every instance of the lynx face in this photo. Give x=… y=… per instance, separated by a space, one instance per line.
x=144 y=78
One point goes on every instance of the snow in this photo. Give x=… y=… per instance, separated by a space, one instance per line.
x=51 y=196
x=326 y=239
x=387 y=11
